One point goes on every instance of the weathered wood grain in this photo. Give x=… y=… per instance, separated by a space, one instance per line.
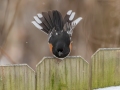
x=71 y=73
x=17 y=77
x=106 y=68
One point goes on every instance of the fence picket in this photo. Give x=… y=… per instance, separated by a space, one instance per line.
x=64 y=75
x=17 y=77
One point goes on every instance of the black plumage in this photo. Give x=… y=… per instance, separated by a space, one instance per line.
x=50 y=20
x=59 y=30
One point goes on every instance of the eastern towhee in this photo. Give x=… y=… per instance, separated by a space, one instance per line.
x=58 y=29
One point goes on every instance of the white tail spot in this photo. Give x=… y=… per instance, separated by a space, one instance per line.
x=37 y=25
x=77 y=21
x=69 y=12
x=72 y=16
x=40 y=15
x=37 y=19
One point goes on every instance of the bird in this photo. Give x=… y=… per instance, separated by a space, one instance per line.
x=59 y=30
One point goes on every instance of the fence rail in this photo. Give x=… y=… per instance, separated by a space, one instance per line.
x=73 y=73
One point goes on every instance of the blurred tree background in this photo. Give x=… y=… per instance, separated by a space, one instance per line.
x=21 y=42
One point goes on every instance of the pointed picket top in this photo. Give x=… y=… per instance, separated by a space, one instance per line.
x=100 y=49
x=15 y=65
x=43 y=60
x=69 y=57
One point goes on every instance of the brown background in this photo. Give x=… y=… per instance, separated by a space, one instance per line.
x=21 y=42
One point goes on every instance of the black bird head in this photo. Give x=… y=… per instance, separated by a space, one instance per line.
x=60 y=42
x=58 y=29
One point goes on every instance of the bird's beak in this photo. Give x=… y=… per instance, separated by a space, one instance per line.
x=60 y=53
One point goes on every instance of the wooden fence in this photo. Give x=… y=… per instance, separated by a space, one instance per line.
x=73 y=73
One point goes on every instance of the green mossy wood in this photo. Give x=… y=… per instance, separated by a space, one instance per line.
x=71 y=73
x=106 y=68
x=17 y=77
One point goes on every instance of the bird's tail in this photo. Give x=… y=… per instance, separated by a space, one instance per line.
x=46 y=21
